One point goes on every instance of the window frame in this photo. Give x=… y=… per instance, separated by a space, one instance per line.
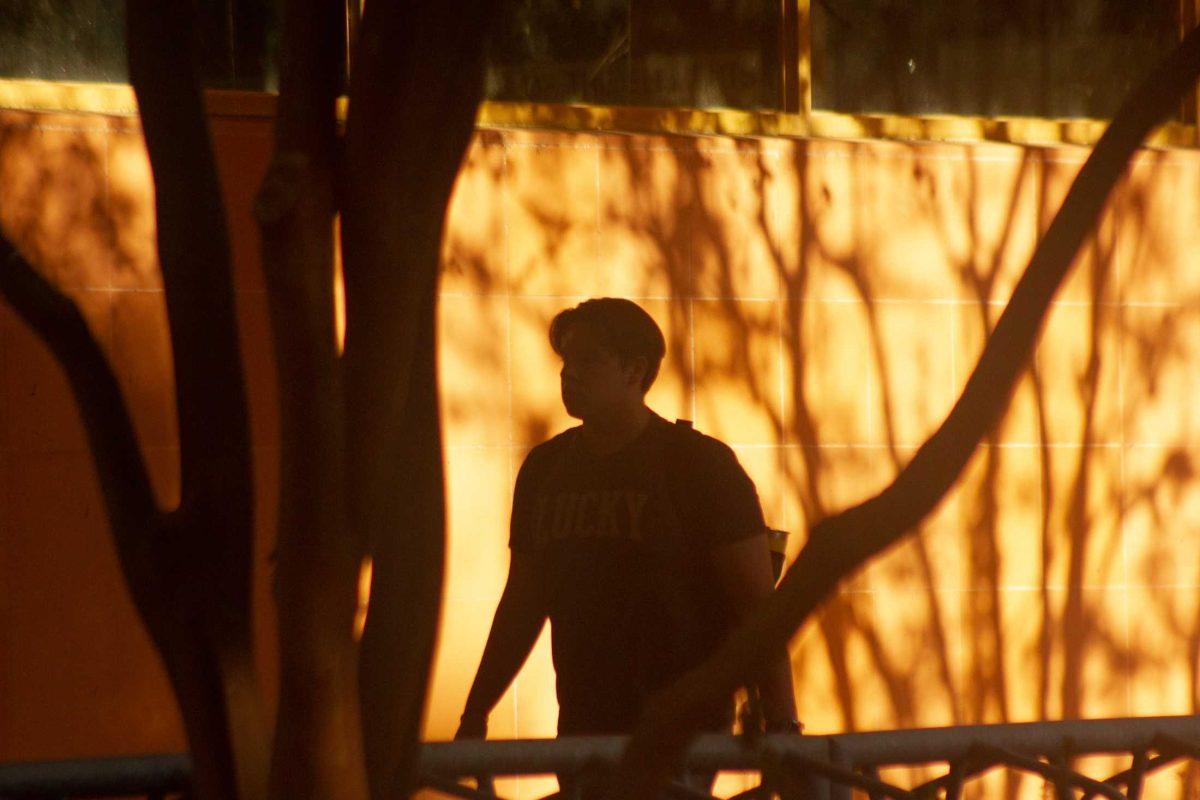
x=796 y=119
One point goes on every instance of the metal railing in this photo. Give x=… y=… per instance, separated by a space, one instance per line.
x=156 y=777
x=792 y=766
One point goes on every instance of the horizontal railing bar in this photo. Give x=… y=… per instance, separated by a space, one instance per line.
x=1092 y=736
x=876 y=748
x=112 y=776
x=572 y=753
x=165 y=773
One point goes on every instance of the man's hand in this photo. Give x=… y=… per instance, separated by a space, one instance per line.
x=474 y=726
x=518 y=621
x=743 y=571
x=471 y=726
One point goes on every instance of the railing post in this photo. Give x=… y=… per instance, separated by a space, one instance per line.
x=838 y=791
x=1062 y=758
x=794 y=779
x=812 y=786
x=872 y=771
x=1137 y=775
x=954 y=778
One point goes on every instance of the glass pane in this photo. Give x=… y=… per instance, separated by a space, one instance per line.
x=65 y=40
x=559 y=51
x=705 y=53
x=1044 y=58
x=84 y=40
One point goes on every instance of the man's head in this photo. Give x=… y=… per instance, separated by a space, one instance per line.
x=611 y=351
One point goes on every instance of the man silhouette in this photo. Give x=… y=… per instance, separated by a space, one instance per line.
x=640 y=540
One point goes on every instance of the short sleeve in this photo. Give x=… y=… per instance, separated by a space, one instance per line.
x=721 y=501
x=520 y=529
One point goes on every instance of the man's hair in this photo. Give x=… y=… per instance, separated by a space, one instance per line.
x=620 y=325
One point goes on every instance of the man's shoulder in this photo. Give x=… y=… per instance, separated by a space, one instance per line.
x=552 y=447
x=694 y=444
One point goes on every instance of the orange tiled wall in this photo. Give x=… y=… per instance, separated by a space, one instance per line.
x=77 y=673
x=823 y=304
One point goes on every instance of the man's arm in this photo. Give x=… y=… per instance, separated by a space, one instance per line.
x=744 y=574
x=515 y=628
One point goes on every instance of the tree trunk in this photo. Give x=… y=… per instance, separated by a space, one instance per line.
x=415 y=84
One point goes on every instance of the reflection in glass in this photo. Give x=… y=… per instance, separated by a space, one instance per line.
x=84 y=40
x=1045 y=58
x=62 y=40
x=705 y=54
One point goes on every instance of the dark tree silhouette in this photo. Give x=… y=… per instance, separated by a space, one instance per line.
x=355 y=425
x=361 y=460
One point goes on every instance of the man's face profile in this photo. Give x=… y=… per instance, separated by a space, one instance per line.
x=593 y=378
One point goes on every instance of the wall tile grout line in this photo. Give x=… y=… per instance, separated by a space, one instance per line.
x=505 y=201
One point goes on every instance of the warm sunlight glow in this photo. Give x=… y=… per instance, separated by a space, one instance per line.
x=364 y=597
x=823 y=303
x=339 y=287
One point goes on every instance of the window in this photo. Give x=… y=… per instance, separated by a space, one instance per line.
x=1041 y=58
x=84 y=40
x=964 y=58
x=699 y=54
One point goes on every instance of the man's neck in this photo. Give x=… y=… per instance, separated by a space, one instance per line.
x=609 y=433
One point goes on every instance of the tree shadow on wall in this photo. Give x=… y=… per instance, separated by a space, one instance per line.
x=824 y=303
x=55 y=198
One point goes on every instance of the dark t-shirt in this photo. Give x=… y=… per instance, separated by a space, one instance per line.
x=624 y=542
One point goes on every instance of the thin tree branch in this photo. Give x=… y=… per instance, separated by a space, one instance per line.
x=841 y=544
x=54 y=317
x=317 y=750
